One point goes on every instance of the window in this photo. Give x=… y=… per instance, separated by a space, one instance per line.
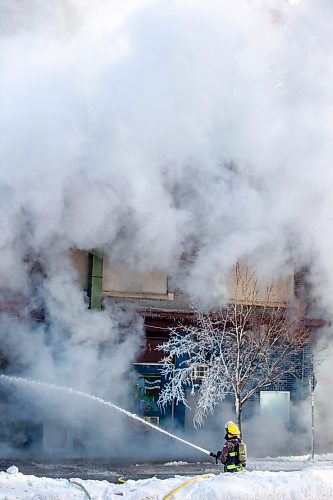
x=200 y=372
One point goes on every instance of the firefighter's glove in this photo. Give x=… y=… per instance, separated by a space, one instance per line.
x=217 y=456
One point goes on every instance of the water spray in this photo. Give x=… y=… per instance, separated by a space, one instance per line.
x=69 y=390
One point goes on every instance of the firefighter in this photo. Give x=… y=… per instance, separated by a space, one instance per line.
x=233 y=454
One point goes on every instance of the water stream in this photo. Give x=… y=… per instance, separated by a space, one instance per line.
x=68 y=390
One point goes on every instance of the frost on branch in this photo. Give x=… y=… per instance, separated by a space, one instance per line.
x=249 y=344
x=198 y=350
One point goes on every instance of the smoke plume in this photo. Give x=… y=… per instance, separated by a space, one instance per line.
x=149 y=131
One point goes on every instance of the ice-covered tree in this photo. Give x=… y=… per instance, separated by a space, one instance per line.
x=252 y=342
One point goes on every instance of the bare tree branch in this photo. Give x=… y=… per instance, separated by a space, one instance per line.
x=249 y=344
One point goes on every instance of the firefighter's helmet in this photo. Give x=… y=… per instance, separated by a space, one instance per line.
x=231 y=428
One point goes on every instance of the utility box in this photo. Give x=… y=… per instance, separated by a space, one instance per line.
x=275 y=404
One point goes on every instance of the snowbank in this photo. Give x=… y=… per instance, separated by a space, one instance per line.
x=310 y=483
x=178 y=462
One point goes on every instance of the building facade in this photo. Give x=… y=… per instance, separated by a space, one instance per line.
x=163 y=307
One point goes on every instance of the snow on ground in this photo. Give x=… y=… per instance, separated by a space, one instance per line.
x=276 y=464
x=178 y=462
x=301 y=458
x=311 y=483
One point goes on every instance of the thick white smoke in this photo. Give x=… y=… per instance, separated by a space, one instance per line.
x=150 y=130
x=146 y=129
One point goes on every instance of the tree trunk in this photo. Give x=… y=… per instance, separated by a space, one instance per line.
x=239 y=412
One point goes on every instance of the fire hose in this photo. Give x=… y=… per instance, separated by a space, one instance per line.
x=80 y=485
x=191 y=481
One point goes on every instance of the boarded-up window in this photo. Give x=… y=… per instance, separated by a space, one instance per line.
x=119 y=279
x=247 y=286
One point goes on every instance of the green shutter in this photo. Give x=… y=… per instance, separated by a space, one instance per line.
x=95 y=280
